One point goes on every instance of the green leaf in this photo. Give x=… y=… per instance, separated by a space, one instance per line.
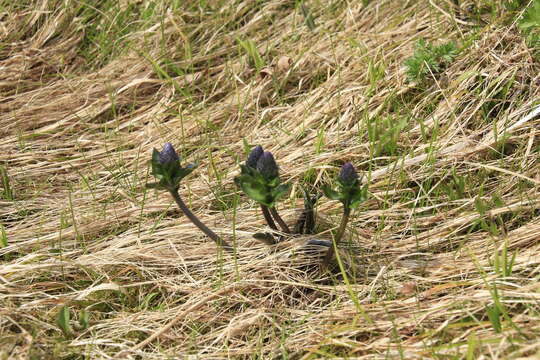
x=246 y=170
x=494 y=315
x=531 y=17
x=178 y=173
x=251 y=50
x=62 y=320
x=155 y=156
x=358 y=196
x=279 y=191
x=308 y=17
x=84 y=317
x=157 y=167
x=257 y=192
x=346 y=185
x=239 y=180
x=3 y=237
x=331 y=193
x=274 y=182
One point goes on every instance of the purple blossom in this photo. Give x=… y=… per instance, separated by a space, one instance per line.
x=347 y=174
x=254 y=156
x=168 y=154
x=267 y=166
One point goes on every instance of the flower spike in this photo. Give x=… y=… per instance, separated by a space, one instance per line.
x=259 y=180
x=348 y=189
x=167 y=169
x=266 y=165
x=168 y=154
x=349 y=192
x=348 y=174
x=254 y=156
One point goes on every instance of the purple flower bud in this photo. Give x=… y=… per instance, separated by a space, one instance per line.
x=254 y=156
x=267 y=166
x=168 y=154
x=347 y=174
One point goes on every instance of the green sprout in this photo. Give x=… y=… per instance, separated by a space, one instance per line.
x=429 y=59
x=167 y=170
x=351 y=194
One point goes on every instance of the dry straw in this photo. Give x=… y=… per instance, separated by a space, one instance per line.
x=455 y=199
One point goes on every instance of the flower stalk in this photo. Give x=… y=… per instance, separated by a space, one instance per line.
x=279 y=220
x=195 y=220
x=341 y=230
x=267 y=238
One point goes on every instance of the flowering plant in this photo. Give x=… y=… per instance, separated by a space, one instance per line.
x=259 y=180
x=167 y=169
x=351 y=194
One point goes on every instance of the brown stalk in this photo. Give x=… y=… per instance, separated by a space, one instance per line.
x=279 y=220
x=195 y=220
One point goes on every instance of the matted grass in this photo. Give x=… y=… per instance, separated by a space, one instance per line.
x=446 y=253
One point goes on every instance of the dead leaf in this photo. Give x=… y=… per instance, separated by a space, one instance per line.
x=266 y=72
x=444 y=287
x=408 y=288
x=284 y=63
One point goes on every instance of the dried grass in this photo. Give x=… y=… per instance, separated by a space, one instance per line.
x=75 y=138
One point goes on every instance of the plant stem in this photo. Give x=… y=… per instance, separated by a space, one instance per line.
x=212 y=235
x=279 y=220
x=268 y=237
x=306 y=221
x=337 y=238
x=268 y=217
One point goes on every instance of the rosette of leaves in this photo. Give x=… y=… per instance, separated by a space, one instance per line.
x=167 y=169
x=429 y=59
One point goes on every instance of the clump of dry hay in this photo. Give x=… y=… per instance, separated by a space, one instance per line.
x=76 y=131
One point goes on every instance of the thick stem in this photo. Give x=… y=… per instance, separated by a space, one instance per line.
x=268 y=217
x=279 y=220
x=212 y=235
x=339 y=235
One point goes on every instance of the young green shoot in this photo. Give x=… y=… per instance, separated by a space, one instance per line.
x=3 y=237
x=4 y=181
